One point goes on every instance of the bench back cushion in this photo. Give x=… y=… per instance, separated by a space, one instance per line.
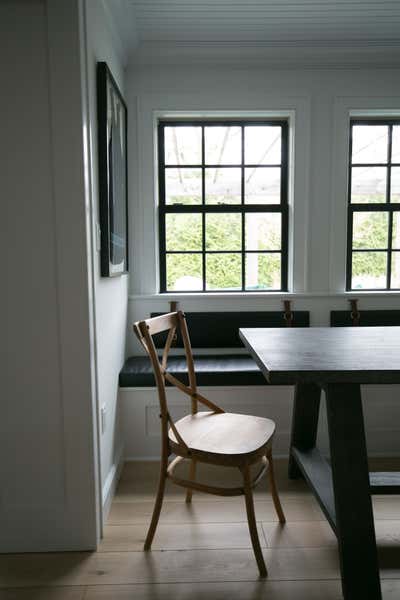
x=221 y=329
x=367 y=318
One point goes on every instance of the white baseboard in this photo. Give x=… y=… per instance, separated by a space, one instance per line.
x=111 y=482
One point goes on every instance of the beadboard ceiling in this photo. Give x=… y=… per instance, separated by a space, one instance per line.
x=263 y=21
x=279 y=29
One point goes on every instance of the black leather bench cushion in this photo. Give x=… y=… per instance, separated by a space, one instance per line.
x=221 y=329
x=368 y=318
x=218 y=370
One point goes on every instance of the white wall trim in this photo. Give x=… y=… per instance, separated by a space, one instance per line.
x=265 y=295
x=145 y=197
x=344 y=108
x=91 y=245
x=111 y=482
x=73 y=266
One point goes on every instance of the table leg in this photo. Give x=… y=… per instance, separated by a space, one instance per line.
x=304 y=422
x=354 y=516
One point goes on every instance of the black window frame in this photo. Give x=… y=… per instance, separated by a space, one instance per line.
x=242 y=208
x=387 y=206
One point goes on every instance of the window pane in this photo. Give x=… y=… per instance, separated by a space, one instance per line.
x=262 y=185
x=395 y=184
x=262 y=145
x=368 y=184
x=183 y=186
x=216 y=171
x=224 y=271
x=396 y=231
x=263 y=231
x=223 y=186
x=182 y=145
x=370 y=144
x=396 y=144
x=223 y=145
x=370 y=230
x=184 y=272
x=263 y=271
x=395 y=279
x=369 y=270
x=223 y=231
x=183 y=232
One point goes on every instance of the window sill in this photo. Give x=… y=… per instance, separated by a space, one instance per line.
x=273 y=295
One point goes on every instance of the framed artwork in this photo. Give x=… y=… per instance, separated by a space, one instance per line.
x=113 y=193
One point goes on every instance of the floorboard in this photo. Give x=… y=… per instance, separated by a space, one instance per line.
x=203 y=551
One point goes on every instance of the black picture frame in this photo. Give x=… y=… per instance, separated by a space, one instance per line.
x=112 y=118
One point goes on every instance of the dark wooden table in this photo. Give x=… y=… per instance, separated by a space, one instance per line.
x=336 y=360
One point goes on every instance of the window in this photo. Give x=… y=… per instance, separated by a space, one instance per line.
x=373 y=243
x=223 y=209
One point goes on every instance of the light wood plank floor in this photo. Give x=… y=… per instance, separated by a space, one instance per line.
x=203 y=551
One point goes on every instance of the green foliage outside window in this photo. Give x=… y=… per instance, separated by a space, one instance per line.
x=223 y=232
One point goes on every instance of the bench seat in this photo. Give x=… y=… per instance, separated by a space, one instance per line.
x=209 y=330
x=212 y=370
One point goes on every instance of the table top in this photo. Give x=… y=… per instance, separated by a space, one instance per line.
x=326 y=354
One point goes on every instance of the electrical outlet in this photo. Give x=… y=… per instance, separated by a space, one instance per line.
x=98 y=237
x=103 y=418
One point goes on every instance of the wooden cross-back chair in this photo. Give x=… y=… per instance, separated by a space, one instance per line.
x=213 y=437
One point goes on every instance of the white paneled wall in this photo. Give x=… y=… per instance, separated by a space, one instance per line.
x=110 y=295
x=48 y=465
x=141 y=423
x=319 y=103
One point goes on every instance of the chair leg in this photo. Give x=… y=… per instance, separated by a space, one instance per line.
x=158 y=503
x=192 y=477
x=251 y=519
x=274 y=488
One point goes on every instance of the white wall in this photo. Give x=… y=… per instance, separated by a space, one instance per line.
x=111 y=294
x=141 y=423
x=48 y=469
x=321 y=101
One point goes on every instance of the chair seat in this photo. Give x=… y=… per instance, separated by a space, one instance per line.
x=224 y=438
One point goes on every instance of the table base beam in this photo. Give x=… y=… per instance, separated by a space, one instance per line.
x=318 y=475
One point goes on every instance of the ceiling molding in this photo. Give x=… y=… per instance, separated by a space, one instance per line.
x=312 y=56
x=318 y=43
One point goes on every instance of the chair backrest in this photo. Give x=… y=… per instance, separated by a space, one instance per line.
x=168 y=324
x=171 y=324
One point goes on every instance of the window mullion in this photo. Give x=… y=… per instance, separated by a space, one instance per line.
x=203 y=200
x=390 y=216
x=349 y=270
x=284 y=207
x=243 y=216
x=161 y=218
